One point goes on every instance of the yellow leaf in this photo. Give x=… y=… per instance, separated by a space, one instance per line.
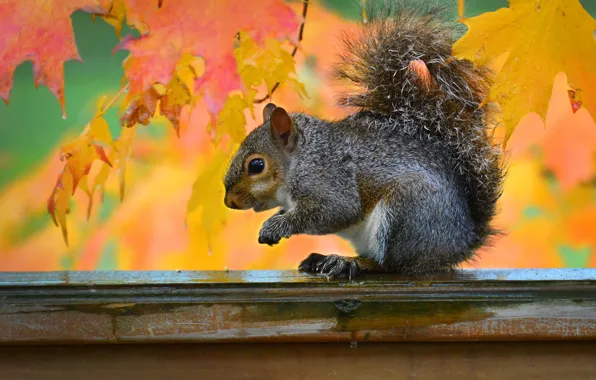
x=231 y=119
x=206 y=212
x=542 y=37
x=100 y=179
x=269 y=65
x=80 y=155
x=123 y=147
x=58 y=203
x=117 y=13
x=176 y=97
x=99 y=132
x=188 y=69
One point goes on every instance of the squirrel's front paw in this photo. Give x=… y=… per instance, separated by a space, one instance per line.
x=273 y=230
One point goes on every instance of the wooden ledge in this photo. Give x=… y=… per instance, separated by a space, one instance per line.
x=283 y=306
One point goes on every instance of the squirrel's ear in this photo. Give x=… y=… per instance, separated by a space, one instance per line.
x=282 y=128
x=267 y=111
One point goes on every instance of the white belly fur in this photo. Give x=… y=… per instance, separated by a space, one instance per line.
x=364 y=236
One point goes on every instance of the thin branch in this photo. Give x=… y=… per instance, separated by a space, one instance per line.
x=113 y=100
x=300 y=32
x=460 y=10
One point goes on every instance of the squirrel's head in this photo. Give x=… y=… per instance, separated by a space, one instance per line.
x=258 y=169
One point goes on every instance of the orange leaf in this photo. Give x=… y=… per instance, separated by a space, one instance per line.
x=155 y=54
x=40 y=31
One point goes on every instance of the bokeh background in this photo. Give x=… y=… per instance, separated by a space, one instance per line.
x=546 y=223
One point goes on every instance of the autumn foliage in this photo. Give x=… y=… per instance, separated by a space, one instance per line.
x=528 y=43
x=204 y=66
x=183 y=53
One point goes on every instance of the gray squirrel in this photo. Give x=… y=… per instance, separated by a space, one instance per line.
x=411 y=179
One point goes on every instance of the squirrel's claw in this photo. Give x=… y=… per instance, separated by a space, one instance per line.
x=333 y=266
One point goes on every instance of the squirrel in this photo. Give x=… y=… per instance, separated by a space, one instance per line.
x=411 y=178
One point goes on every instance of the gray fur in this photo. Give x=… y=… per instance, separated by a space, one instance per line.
x=423 y=152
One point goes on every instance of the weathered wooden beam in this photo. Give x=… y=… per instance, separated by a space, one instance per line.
x=312 y=361
x=256 y=306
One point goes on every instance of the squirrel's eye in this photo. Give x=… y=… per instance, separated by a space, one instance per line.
x=256 y=166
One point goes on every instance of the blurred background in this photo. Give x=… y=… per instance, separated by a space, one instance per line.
x=547 y=220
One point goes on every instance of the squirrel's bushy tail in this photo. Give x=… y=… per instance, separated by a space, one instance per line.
x=388 y=63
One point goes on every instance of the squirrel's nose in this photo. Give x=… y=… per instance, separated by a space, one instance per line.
x=230 y=203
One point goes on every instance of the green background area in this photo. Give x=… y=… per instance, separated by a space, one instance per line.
x=31 y=126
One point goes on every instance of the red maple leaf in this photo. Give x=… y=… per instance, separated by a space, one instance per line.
x=206 y=29
x=39 y=31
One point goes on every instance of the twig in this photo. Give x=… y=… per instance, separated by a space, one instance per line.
x=460 y=10
x=300 y=31
x=113 y=100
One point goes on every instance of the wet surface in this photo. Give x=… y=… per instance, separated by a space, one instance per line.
x=285 y=306
x=235 y=277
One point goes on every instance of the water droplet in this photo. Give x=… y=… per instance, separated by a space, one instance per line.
x=64 y=116
x=353 y=344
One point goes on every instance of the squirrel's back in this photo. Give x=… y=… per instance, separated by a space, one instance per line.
x=400 y=68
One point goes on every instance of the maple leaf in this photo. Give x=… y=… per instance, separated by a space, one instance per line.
x=141 y=109
x=59 y=200
x=174 y=99
x=122 y=151
x=98 y=132
x=271 y=65
x=39 y=31
x=231 y=119
x=166 y=101
x=568 y=139
x=116 y=13
x=538 y=39
x=154 y=55
x=79 y=155
x=206 y=213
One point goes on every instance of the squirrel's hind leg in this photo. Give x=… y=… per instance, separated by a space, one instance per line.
x=428 y=229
